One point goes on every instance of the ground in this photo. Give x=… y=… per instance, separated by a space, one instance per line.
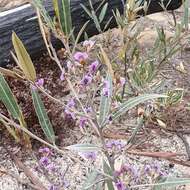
x=17 y=175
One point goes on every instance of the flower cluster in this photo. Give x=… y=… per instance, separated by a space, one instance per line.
x=70 y=105
x=89 y=155
x=45 y=160
x=106 y=89
x=50 y=167
x=115 y=144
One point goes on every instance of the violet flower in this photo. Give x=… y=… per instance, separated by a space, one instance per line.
x=122 y=81
x=106 y=89
x=53 y=187
x=80 y=57
x=82 y=122
x=90 y=155
x=87 y=79
x=88 y=44
x=120 y=185
x=40 y=82
x=88 y=109
x=93 y=67
x=45 y=151
x=51 y=167
x=44 y=161
x=70 y=105
x=62 y=76
x=115 y=144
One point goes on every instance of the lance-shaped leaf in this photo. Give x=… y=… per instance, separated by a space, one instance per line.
x=105 y=102
x=83 y=147
x=108 y=171
x=91 y=178
x=170 y=183
x=106 y=61
x=103 y=12
x=39 y=4
x=42 y=116
x=24 y=60
x=131 y=103
x=65 y=16
x=8 y=99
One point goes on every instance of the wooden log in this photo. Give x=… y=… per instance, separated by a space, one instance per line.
x=24 y=22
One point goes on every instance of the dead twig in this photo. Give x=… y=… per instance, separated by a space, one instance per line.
x=184 y=140
x=19 y=180
x=26 y=170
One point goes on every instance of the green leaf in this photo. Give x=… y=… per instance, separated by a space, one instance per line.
x=107 y=170
x=170 y=182
x=83 y=147
x=42 y=116
x=103 y=12
x=24 y=60
x=91 y=178
x=8 y=99
x=131 y=103
x=105 y=103
x=87 y=11
x=65 y=16
x=39 y=4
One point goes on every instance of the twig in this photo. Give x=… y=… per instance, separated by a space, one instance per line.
x=184 y=140
x=27 y=171
x=19 y=180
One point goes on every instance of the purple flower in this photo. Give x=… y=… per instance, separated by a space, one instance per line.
x=71 y=103
x=80 y=56
x=88 y=109
x=106 y=89
x=147 y=169
x=44 y=161
x=106 y=84
x=53 y=187
x=40 y=82
x=93 y=67
x=156 y=167
x=51 y=167
x=90 y=155
x=120 y=185
x=70 y=114
x=65 y=184
x=87 y=79
x=88 y=44
x=62 y=77
x=115 y=144
x=105 y=92
x=82 y=122
x=45 y=151
x=122 y=81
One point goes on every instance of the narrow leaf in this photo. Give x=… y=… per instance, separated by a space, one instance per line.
x=131 y=103
x=105 y=103
x=103 y=12
x=24 y=60
x=83 y=147
x=39 y=5
x=91 y=178
x=106 y=61
x=171 y=182
x=8 y=99
x=65 y=16
x=42 y=116
x=108 y=170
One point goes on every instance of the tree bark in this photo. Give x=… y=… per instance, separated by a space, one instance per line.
x=23 y=21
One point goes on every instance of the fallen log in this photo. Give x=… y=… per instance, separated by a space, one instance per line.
x=24 y=22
